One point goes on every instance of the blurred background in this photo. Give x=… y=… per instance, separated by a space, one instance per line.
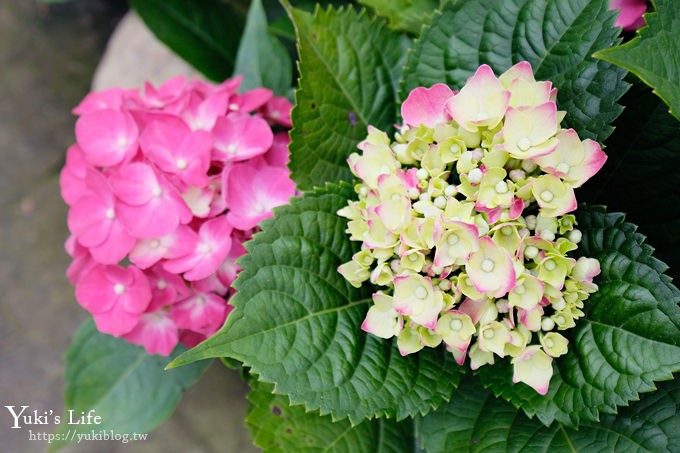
x=49 y=55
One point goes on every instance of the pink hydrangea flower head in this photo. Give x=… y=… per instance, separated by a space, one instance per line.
x=465 y=228
x=164 y=185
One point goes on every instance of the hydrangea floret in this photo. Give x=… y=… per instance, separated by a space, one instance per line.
x=465 y=224
x=164 y=184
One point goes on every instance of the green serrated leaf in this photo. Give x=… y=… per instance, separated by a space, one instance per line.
x=205 y=33
x=641 y=177
x=122 y=383
x=349 y=66
x=629 y=337
x=653 y=54
x=297 y=323
x=557 y=37
x=277 y=427
x=405 y=15
x=474 y=421
x=261 y=58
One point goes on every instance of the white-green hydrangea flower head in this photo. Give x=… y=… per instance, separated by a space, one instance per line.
x=465 y=227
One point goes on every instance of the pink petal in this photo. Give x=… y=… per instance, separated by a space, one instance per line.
x=177 y=150
x=630 y=15
x=90 y=219
x=252 y=194
x=95 y=292
x=278 y=155
x=427 y=105
x=201 y=312
x=212 y=247
x=107 y=137
x=100 y=100
x=241 y=138
x=277 y=110
x=166 y=288
x=72 y=177
x=201 y=114
x=115 y=247
x=156 y=331
x=250 y=100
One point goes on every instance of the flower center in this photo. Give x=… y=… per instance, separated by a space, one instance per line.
x=506 y=230
x=161 y=284
x=524 y=144
x=456 y=324
x=549 y=343
x=531 y=252
x=122 y=142
x=181 y=164
x=563 y=167
x=452 y=239
x=488 y=334
x=547 y=196
x=156 y=191
x=204 y=248
x=421 y=292
x=501 y=187
x=487 y=265
x=550 y=265
x=119 y=288
x=233 y=107
x=110 y=214
x=520 y=289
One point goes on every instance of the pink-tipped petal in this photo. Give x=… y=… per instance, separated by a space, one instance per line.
x=427 y=105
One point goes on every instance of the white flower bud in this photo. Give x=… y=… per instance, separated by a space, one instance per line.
x=575 y=236
x=475 y=175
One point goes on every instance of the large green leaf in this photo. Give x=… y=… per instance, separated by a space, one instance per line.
x=205 y=33
x=653 y=54
x=122 y=383
x=261 y=58
x=406 y=15
x=557 y=37
x=629 y=337
x=276 y=426
x=349 y=66
x=474 y=421
x=641 y=175
x=297 y=323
